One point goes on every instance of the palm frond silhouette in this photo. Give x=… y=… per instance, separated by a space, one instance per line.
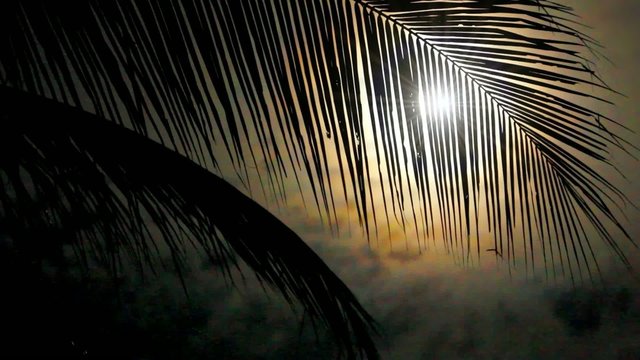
x=296 y=88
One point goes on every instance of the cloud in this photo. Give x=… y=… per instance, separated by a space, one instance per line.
x=427 y=309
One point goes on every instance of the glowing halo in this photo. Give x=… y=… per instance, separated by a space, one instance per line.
x=438 y=104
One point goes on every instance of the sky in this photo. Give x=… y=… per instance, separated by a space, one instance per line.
x=428 y=304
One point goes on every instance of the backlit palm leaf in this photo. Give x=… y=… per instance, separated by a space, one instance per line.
x=515 y=141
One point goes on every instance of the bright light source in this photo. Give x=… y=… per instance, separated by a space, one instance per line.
x=436 y=105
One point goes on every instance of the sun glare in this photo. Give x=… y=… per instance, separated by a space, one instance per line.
x=436 y=105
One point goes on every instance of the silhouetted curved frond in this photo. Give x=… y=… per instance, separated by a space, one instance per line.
x=115 y=195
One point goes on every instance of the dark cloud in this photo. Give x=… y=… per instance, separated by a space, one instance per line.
x=426 y=310
x=404 y=257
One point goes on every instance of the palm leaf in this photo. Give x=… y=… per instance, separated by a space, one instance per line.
x=517 y=143
x=303 y=86
x=114 y=194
